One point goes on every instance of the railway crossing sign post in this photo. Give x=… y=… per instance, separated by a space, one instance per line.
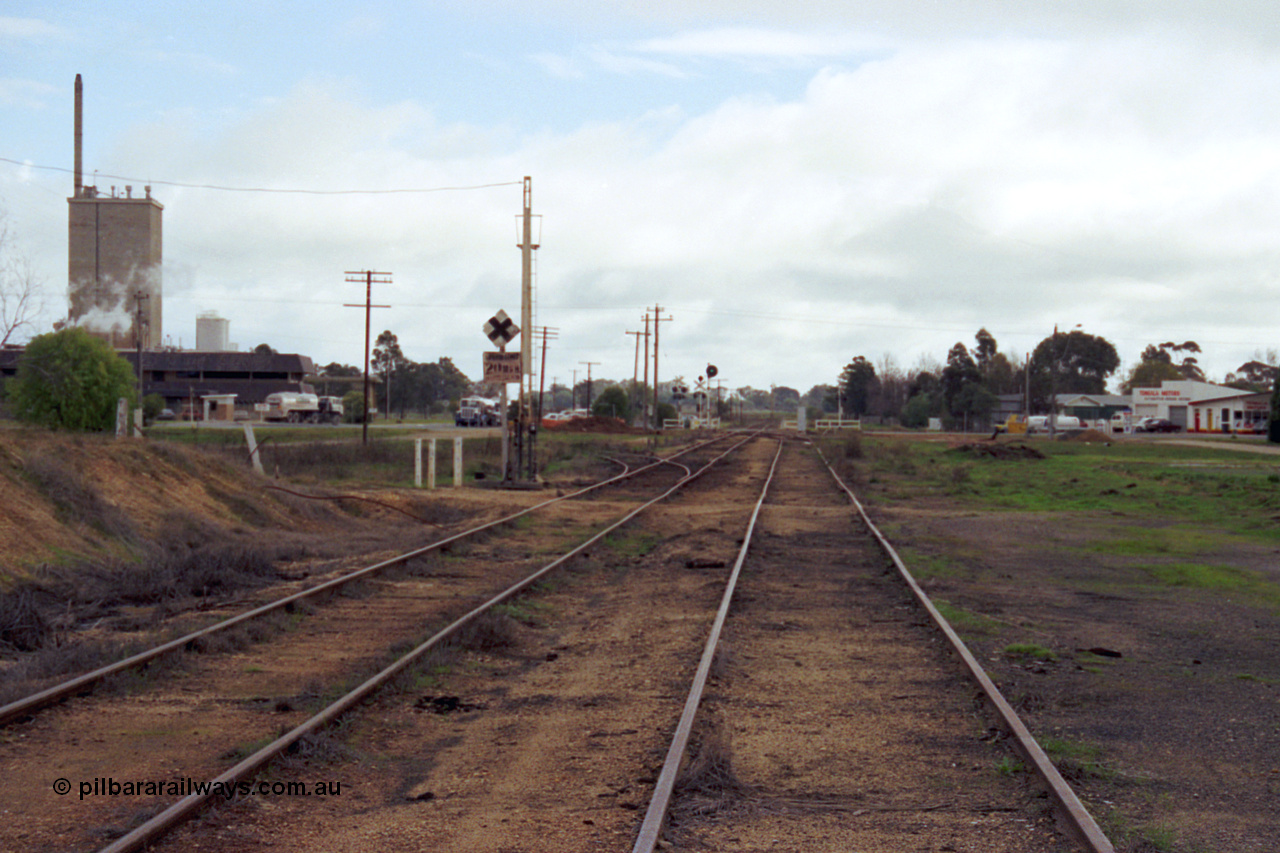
x=502 y=330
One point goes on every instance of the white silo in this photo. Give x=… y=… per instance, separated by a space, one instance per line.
x=211 y=333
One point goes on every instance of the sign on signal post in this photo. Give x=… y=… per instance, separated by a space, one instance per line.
x=502 y=367
x=501 y=329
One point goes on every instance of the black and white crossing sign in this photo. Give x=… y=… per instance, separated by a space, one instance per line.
x=501 y=329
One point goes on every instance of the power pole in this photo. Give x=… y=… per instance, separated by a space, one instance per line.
x=367 y=277
x=657 y=317
x=635 y=371
x=588 y=364
x=537 y=419
x=644 y=405
x=573 y=391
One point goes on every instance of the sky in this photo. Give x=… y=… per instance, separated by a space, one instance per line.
x=795 y=184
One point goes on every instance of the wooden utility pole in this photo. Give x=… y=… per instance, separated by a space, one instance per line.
x=367 y=277
x=644 y=403
x=537 y=418
x=657 y=317
x=588 y=364
x=635 y=371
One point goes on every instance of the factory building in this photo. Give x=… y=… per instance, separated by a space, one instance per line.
x=114 y=254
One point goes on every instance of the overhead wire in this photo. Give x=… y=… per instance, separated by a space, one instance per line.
x=274 y=190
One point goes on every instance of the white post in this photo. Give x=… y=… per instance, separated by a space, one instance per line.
x=417 y=463
x=252 y=442
x=457 y=462
x=431 y=464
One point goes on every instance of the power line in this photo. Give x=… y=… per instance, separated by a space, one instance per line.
x=285 y=191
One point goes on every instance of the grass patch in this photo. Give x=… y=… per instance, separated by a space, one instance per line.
x=1076 y=761
x=1009 y=766
x=1029 y=651
x=967 y=622
x=635 y=543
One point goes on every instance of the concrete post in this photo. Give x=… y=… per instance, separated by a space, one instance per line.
x=457 y=461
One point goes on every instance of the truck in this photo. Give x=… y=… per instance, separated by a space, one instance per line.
x=477 y=411
x=298 y=407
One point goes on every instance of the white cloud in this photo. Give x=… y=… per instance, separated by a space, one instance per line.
x=1128 y=182
x=742 y=42
x=29 y=29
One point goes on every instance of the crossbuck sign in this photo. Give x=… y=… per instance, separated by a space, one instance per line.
x=501 y=329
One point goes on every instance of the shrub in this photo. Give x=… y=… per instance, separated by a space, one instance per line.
x=71 y=380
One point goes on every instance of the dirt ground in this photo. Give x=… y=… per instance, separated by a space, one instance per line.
x=1160 y=704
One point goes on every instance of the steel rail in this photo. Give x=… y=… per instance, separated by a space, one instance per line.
x=660 y=802
x=184 y=808
x=63 y=689
x=1078 y=819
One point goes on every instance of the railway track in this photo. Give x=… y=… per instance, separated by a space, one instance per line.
x=24 y=707
x=555 y=737
x=207 y=709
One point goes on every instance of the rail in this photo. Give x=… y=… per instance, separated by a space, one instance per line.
x=1082 y=824
x=72 y=686
x=186 y=807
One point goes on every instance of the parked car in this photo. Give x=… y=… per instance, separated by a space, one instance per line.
x=1156 y=425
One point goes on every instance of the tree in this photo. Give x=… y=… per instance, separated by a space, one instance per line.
x=986 y=350
x=70 y=379
x=1071 y=363
x=612 y=403
x=387 y=361
x=783 y=397
x=961 y=371
x=264 y=349
x=353 y=407
x=1258 y=374
x=858 y=381
x=1150 y=374
x=20 y=291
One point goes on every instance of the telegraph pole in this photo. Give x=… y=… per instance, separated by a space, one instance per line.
x=657 y=317
x=367 y=277
x=537 y=422
x=635 y=370
x=644 y=405
x=588 y=364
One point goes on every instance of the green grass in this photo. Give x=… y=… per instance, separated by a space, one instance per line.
x=966 y=622
x=1010 y=766
x=632 y=543
x=1188 y=486
x=1029 y=651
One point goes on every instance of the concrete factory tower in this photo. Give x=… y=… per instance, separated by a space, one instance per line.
x=113 y=258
